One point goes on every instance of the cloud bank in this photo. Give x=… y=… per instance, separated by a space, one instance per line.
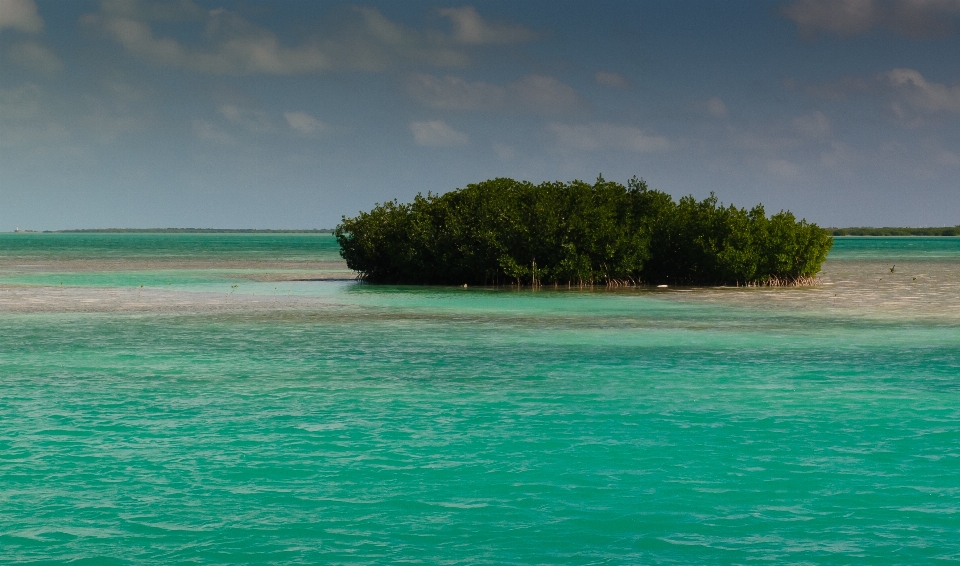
x=20 y=15
x=910 y=18
x=361 y=39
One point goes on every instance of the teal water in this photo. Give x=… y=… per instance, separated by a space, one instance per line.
x=139 y=246
x=290 y=420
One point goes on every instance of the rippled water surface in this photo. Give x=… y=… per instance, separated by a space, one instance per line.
x=238 y=398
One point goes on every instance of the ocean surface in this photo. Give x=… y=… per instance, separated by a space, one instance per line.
x=224 y=398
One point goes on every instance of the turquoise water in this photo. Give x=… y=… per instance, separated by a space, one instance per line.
x=139 y=246
x=325 y=421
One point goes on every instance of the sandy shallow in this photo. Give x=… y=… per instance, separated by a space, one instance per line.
x=916 y=290
x=46 y=299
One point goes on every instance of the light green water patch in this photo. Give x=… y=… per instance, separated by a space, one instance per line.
x=197 y=280
x=179 y=279
x=803 y=311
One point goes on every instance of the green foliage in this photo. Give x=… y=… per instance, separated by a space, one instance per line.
x=503 y=231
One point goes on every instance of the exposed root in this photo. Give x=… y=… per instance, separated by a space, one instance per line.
x=801 y=281
x=613 y=283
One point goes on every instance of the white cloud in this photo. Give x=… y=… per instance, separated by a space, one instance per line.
x=534 y=93
x=470 y=28
x=35 y=56
x=305 y=123
x=912 y=18
x=716 y=107
x=612 y=80
x=923 y=94
x=20 y=15
x=436 y=133
x=603 y=135
x=814 y=125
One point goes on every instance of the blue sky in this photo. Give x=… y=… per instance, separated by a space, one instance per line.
x=188 y=113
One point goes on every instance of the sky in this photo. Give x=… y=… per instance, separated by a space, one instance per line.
x=251 y=114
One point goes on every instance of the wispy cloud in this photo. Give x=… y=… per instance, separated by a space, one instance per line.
x=533 y=93
x=305 y=123
x=35 y=56
x=172 y=11
x=470 y=28
x=612 y=80
x=782 y=168
x=815 y=125
x=207 y=131
x=436 y=133
x=716 y=107
x=250 y=119
x=454 y=93
x=908 y=97
x=375 y=43
x=597 y=136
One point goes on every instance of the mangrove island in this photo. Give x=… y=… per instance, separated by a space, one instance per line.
x=507 y=232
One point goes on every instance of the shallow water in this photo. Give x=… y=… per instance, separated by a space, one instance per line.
x=228 y=412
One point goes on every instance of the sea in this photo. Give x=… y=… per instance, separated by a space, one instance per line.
x=242 y=398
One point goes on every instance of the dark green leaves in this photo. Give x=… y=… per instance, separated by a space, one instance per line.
x=503 y=231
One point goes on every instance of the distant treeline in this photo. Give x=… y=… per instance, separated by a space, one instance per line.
x=185 y=231
x=504 y=231
x=955 y=231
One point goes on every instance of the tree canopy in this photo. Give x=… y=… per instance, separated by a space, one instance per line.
x=503 y=231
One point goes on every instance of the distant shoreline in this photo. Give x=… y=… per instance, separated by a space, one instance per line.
x=866 y=231
x=859 y=231
x=181 y=231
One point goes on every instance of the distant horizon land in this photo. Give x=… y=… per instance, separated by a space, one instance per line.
x=178 y=231
x=850 y=231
